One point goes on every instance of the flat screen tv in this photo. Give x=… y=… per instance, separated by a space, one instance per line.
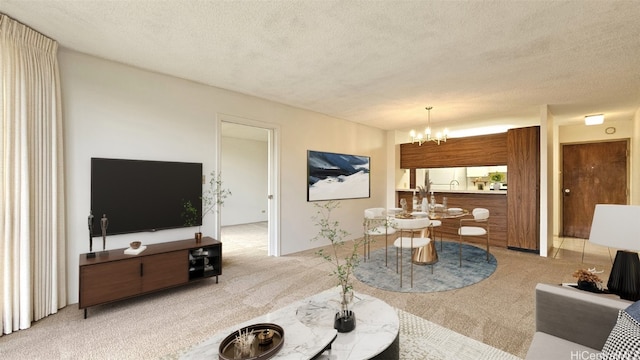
x=142 y=195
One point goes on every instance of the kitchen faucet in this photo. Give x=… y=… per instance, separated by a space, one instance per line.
x=451 y=183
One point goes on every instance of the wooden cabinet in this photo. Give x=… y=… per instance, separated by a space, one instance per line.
x=523 y=197
x=116 y=276
x=109 y=281
x=204 y=262
x=164 y=270
x=484 y=150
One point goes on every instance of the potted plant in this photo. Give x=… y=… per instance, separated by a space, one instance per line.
x=496 y=178
x=212 y=198
x=588 y=280
x=344 y=263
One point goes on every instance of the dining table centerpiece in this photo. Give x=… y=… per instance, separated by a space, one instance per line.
x=424 y=192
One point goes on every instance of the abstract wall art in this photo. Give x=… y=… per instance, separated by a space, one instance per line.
x=333 y=176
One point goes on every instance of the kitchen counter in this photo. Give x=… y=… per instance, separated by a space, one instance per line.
x=460 y=191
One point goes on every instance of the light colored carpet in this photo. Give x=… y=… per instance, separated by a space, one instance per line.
x=498 y=311
x=446 y=274
x=421 y=339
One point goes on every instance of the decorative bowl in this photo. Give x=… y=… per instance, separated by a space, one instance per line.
x=265 y=337
x=135 y=244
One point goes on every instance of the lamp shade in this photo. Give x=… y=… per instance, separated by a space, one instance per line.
x=616 y=226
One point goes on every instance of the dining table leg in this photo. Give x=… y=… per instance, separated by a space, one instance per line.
x=426 y=255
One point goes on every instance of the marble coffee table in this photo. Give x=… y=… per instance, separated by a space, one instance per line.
x=309 y=333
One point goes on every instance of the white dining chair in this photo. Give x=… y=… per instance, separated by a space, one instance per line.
x=432 y=225
x=407 y=239
x=479 y=226
x=376 y=222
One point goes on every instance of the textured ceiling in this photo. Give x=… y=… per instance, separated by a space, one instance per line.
x=374 y=62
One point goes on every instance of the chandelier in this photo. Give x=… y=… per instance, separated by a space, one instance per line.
x=440 y=136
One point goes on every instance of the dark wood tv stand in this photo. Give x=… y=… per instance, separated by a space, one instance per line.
x=113 y=276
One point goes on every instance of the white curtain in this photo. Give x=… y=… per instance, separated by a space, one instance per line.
x=32 y=218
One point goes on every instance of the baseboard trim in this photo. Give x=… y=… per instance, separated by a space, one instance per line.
x=532 y=251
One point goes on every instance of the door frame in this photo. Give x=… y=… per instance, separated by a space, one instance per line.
x=273 y=166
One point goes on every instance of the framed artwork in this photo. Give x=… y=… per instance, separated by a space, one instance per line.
x=333 y=176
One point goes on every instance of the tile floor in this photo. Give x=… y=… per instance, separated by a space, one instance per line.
x=581 y=250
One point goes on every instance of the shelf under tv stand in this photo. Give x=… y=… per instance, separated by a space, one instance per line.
x=112 y=275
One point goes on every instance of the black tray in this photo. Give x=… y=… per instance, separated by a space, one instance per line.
x=226 y=351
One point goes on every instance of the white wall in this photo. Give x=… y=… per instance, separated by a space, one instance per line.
x=546 y=180
x=113 y=110
x=245 y=172
x=582 y=133
x=635 y=154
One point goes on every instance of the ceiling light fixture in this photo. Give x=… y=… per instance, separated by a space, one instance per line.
x=594 y=119
x=440 y=136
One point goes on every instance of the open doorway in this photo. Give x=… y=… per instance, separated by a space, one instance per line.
x=247 y=164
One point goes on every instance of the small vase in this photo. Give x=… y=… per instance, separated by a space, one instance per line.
x=588 y=286
x=424 y=204
x=198 y=236
x=345 y=321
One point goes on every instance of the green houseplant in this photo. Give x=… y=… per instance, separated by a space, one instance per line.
x=496 y=178
x=344 y=261
x=212 y=198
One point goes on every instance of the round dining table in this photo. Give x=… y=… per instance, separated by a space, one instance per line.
x=428 y=255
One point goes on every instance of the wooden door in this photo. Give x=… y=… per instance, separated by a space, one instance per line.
x=592 y=173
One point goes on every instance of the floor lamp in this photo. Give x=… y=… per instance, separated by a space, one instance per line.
x=618 y=226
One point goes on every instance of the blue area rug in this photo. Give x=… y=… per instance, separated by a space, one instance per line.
x=447 y=275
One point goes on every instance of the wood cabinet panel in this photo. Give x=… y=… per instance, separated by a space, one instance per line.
x=523 y=199
x=485 y=150
x=165 y=270
x=109 y=281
